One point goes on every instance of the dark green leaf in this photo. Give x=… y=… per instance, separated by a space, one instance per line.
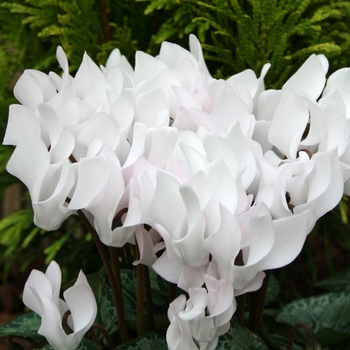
x=84 y=345
x=107 y=314
x=273 y=290
x=330 y=310
x=338 y=283
x=26 y=325
x=151 y=341
x=240 y=338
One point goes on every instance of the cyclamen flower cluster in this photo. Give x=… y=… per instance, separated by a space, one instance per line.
x=229 y=176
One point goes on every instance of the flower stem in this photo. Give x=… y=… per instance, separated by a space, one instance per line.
x=256 y=312
x=241 y=301
x=148 y=298
x=117 y=297
x=310 y=342
x=118 y=281
x=140 y=295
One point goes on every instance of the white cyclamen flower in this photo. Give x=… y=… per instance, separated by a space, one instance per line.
x=41 y=294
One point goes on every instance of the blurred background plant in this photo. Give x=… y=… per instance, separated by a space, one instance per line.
x=235 y=35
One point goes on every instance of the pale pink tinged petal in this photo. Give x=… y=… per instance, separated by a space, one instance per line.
x=225 y=244
x=215 y=89
x=196 y=161
x=120 y=236
x=146 y=67
x=196 y=50
x=87 y=71
x=186 y=99
x=138 y=144
x=82 y=304
x=51 y=121
x=178 y=336
x=244 y=276
x=37 y=280
x=173 y=335
x=21 y=120
x=51 y=327
x=289 y=239
x=28 y=90
x=152 y=109
x=29 y=161
x=167 y=207
x=100 y=126
x=169 y=269
x=246 y=158
x=203 y=118
x=310 y=78
x=220 y=295
x=204 y=97
x=63 y=148
x=267 y=104
x=184 y=120
x=200 y=183
x=247 y=78
x=92 y=176
x=244 y=95
x=187 y=69
x=217 y=147
x=166 y=81
x=189 y=246
x=62 y=59
x=230 y=109
x=192 y=277
x=136 y=210
x=145 y=244
x=195 y=305
x=289 y=123
x=254 y=284
x=160 y=143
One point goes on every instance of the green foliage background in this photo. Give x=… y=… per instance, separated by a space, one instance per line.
x=235 y=35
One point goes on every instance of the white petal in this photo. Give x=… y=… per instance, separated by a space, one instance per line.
x=29 y=161
x=310 y=77
x=288 y=124
x=82 y=304
x=21 y=120
x=51 y=327
x=195 y=305
x=289 y=240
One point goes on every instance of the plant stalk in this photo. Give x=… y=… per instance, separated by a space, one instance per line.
x=116 y=296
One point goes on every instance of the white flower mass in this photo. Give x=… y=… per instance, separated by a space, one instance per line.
x=230 y=177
